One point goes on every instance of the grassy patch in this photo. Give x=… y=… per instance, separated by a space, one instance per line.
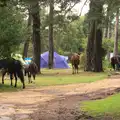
x=68 y=79
x=106 y=107
x=56 y=77
x=7 y=88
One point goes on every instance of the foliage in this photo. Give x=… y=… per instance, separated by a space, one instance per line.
x=71 y=37
x=108 y=44
x=106 y=65
x=12 y=30
x=82 y=60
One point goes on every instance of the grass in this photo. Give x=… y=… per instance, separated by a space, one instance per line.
x=7 y=88
x=57 y=77
x=101 y=108
x=68 y=79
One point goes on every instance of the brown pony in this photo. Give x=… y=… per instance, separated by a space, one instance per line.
x=31 y=69
x=75 y=60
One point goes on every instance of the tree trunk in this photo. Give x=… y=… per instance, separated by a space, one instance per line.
x=109 y=29
x=51 y=44
x=36 y=33
x=89 y=50
x=98 y=51
x=26 y=44
x=94 y=48
x=116 y=34
x=107 y=24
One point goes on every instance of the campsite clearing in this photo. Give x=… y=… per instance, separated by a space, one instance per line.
x=57 y=101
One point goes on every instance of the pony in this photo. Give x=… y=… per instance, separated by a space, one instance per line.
x=31 y=70
x=13 y=67
x=115 y=62
x=75 y=60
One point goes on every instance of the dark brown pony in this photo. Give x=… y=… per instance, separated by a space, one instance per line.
x=13 y=67
x=75 y=60
x=115 y=62
x=31 y=70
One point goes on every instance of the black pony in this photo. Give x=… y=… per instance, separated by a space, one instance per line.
x=115 y=62
x=13 y=67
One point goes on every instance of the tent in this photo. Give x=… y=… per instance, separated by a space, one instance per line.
x=59 y=61
x=64 y=57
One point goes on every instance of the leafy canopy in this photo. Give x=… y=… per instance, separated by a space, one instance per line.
x=12 y=30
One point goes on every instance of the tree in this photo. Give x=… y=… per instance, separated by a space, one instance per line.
x=94 y=46
x=51 y=44
x=27 y=41
x=36 y=32
x=70 y=38
x=116 y=34
x=12 y=30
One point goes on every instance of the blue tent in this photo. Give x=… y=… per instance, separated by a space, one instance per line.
x=59 y=61
x=64 y=57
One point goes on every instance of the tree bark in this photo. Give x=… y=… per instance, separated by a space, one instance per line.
x=36 y=33
x=94 y=47
x=116 y=33
x=109 y=29
x=26 y=44
x=89 y=50
x=51 y=44
x=107 y=24
x=98 y=51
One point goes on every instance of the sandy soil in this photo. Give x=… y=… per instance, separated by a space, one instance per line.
x=55 y=102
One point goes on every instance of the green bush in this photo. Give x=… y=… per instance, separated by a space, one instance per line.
x=82 y=60
x=106 y=65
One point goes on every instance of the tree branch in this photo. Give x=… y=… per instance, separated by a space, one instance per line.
x=83 y=7
x=69 y=9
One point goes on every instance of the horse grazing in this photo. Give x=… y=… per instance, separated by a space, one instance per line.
x=115 y=61
x=31 y=69
x=13 y=67
x=75 y=60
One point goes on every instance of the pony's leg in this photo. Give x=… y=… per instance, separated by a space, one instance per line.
x=77 y=68
x=11 y=78
x=15 y=75
x=34 y=76
x=29 y=77
x=72 y=69
x=21 y=76
x=3 y=74
x=113 y=66
x=25 y=72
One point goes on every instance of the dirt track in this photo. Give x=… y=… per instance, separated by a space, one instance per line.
x=55 y=102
